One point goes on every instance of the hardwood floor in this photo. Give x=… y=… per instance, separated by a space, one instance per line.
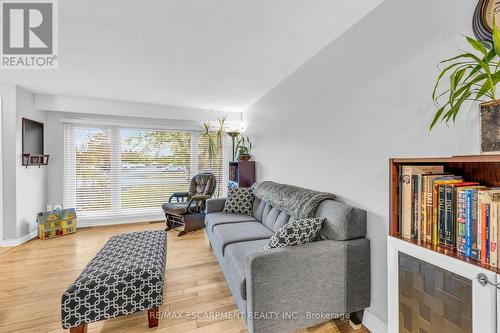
x=33 y=277
x=5 y=249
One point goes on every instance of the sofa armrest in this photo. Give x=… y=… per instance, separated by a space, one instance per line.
x=306 y=281
x=215 y=205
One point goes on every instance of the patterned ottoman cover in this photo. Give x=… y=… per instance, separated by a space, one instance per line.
x=126 y=276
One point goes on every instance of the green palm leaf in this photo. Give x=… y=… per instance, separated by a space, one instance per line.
x=467 y=77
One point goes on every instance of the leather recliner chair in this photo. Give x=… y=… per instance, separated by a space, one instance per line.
x=188 y=210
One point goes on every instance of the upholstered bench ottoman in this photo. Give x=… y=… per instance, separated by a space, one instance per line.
x=126 y=276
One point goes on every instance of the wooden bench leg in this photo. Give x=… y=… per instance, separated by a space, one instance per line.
x=152 y=317
x=79 y=329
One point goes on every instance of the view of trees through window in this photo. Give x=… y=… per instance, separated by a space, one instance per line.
x=119 y=171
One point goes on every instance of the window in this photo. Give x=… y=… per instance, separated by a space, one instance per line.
x=116 y=171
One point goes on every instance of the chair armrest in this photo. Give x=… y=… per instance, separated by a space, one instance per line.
x=200 y=197
x=215 y=205
x=317 y=278
x=178 y=195
x=199 y=203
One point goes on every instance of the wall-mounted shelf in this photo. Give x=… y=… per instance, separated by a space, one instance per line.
x=35 y=160
x=484 y=169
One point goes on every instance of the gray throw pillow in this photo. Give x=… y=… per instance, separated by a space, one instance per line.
x=295 y=233
x=239 y=201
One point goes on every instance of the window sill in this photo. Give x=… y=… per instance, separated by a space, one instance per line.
x=110 y=220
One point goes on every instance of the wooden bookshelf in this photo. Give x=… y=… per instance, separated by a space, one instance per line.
x=484 y=169
x=241 y=173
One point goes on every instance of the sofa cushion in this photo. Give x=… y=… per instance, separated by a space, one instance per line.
x=235 y=260
x=229 y=233
x=271 y=217
x=342 y=222
x=240 y=200
x=213 y=219
x=258 y=208
x=295 y=233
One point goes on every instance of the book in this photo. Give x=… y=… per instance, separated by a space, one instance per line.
x=485 y=197
x=418 y=210
x=475 y=227
x=461 y=221
x=400 y=199
x=427 y=207
x=460 y=203
x=468 y=222
x=414 y=208
x=423 y=208
x=485 y=233
x=438 y=204
x=450 y=214
x=416 y=217
x=494 y=234
x=441 y=200
x=407 y=204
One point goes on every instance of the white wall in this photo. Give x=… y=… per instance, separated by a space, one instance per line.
x=8 y=95
x=334 y=123
x=24 y=189
x=31 y=182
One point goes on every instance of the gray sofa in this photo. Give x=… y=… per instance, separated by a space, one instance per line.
x=285 y=289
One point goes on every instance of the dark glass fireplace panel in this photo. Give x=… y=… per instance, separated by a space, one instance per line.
x=431 y=299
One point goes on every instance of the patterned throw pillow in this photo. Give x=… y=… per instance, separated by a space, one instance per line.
x=240 y=201
x=295 y=233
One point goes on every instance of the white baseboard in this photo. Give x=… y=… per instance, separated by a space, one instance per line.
x=372 y=323
x=99 y=222
x=18 y=241
x=88 y=223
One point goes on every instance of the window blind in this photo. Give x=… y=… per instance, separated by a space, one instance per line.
x=117 y=171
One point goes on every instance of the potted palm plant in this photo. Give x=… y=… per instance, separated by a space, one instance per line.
x=472 y=76
x=214 y=138
x=244 y=146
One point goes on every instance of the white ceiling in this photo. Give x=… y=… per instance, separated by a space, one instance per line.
x=209 y=54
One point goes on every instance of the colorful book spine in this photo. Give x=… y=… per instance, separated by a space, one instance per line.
x=423 y=209
x=487 y=234
x=406 y=202
x=428 y=208
x=414 y=207
x=449 y=225
x=476 y=228
x=484 y=235
x=400 y=200
x=461 y=221
x=468 y=223
x=435 y=213
x=441 y=214
x=442 y=180
x=418 y=208
x=494 y=234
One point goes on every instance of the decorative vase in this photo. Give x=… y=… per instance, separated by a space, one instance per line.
x=490 y=127
x=244 y=157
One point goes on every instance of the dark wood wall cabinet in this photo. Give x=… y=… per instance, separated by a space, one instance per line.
x=241 y=174
x=33 y=143
x=484 y=169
